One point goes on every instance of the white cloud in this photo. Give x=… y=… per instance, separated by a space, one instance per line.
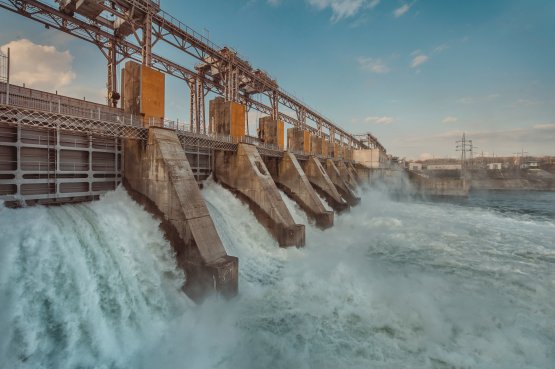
x=449 y=119
x=400 y=11
x=39 y=66
x=343 y=8
x=441 y=48
x=545 y=126
x=274 y=2
x=373 y=65
x=526 y=102
x=465 y=100
x=418 y=60
x=380 y=120
x=373 y=4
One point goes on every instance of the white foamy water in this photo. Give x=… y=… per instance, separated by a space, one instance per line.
x=391 y=285
x=81 y=285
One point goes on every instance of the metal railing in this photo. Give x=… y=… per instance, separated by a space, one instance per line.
x=38 y=106
x=53 y=103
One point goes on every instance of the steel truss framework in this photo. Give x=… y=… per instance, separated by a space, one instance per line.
x=141 y=25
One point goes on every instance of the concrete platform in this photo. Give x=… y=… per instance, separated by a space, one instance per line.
x=340 y=184
x=292 y=179
x=160 y=177
x=245 y=173
x=320 y=180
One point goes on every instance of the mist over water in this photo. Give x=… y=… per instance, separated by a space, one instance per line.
x=394 y=284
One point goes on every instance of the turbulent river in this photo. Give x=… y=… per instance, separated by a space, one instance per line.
x=396 y=283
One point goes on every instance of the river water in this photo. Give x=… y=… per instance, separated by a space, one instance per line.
x=396 y=283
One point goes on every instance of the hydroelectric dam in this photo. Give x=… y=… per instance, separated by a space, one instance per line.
x=57 y=149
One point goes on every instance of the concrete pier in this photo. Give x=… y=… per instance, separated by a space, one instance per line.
x=355 y=174
x=271 y=131
x=160 y=176
x=342 y=187
x=245 y=173
x=292 y=179
x=318 y=145
x=143 y=92
x=346 y=174
x=363 y=173
x=298 y=140
x=226 y=117
x=320 y=180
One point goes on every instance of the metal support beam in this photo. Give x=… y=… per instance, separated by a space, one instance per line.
x=147 y=41
x=112 y=84
x=275 y=106
x=197 y=105
x=227 y=73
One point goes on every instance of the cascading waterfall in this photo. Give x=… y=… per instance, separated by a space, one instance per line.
x=393 y=284
x=80 y=285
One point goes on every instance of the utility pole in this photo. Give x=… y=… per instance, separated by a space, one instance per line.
x=8 y=79
x=521 y=154
x=464 y=146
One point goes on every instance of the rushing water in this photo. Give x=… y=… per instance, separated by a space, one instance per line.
x=394 y=284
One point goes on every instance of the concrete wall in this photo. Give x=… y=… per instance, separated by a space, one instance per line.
x=321 y=182
x=371 y=158
x=143 y=91
x=351 y=168
x=226 y=117
x=347 y=153
x=292 y=179
x=271 y=131
x=318 y=145
x=298 y=140
x=159 y=176
x=443 y=167
x=340 y=184
x=152 y=94
x=347 y=175
x=330 y=148
x=440 y=186
x=363 y=173
x=131 y=88
x=245 y=173
x=337 y=150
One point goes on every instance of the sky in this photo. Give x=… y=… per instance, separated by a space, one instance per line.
x=416 y=74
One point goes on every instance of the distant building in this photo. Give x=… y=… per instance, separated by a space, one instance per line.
x=530 y=165
x=444 y=167
x=495 y=166
x=415 y=166
x=372 y=158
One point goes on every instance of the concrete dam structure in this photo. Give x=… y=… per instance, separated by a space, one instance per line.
x=56 y=150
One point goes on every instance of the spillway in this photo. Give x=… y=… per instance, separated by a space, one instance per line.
x=395 y=283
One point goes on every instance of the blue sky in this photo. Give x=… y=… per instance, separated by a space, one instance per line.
x=416 y=74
